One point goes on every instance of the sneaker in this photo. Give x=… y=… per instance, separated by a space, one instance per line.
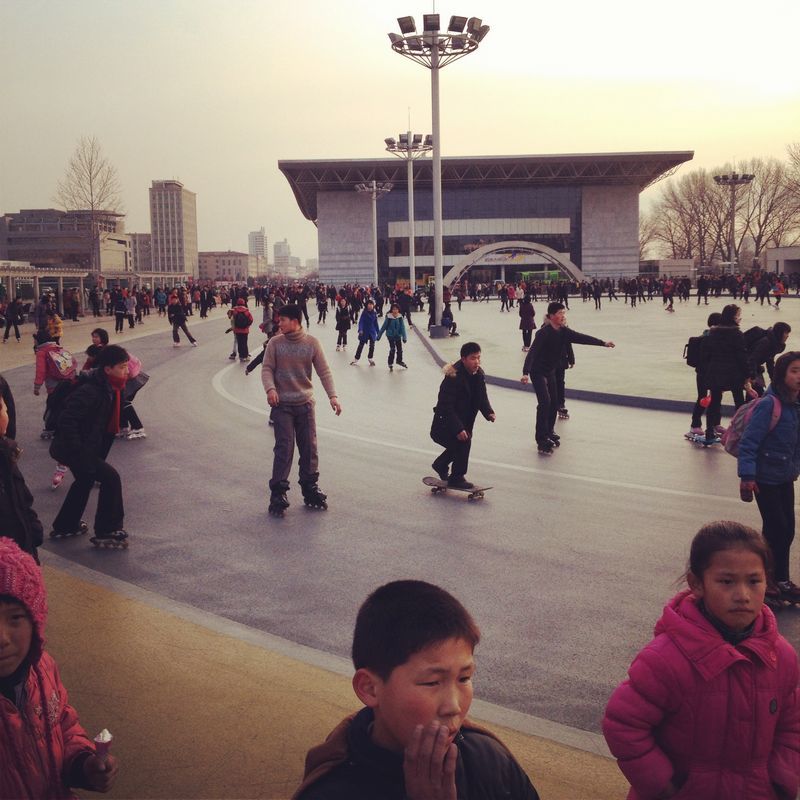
x=176 y=344
x=696 y=431
x=391 y=367
x=138 y=434
x=122 y=433
x=371 y=362
x=354 y=362
x=459 y=482
x=338 y=348
x=719 y=430
x=232 y=357
x=194 y=344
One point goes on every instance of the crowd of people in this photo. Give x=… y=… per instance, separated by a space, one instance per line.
x=710 y=708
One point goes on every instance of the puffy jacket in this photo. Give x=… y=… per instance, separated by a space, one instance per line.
x=722 y=722
x=175 y=313
x=46 y=735
x=349 y=766
x=368 y=325
x=19 y=520
x=724 y=358
x=526 y=315
x=461 y=397
x=82 y=423
x=47 y=372
x=393 y=327
x=240 y=308
x=771 y=456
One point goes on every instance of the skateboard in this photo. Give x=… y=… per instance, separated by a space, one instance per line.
x=700 y=438
x=439 y=486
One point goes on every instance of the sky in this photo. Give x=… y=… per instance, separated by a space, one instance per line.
x=215 y=92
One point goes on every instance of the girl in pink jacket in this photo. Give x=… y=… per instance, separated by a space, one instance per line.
x=44 y=751
x=711 y=707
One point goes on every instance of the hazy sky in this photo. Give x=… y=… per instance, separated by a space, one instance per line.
x=214 y=93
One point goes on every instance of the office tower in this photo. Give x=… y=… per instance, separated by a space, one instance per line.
x=173 y=226
x=257 y=244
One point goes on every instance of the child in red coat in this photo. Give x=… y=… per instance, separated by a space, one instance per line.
x=44 y=751
x=711 y=707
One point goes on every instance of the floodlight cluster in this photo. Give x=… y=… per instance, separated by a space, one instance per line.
x=461 y=37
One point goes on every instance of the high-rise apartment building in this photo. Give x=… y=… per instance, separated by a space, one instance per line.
x=173 y=227
x=257 y=244
x=282 y=254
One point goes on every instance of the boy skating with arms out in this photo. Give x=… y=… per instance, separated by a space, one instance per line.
x=413 y=652
x=286 y=375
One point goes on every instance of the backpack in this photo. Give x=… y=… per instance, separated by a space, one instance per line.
x=55 y=403
x=240 y=320
x=753 y=335
x=692 y=351
x=733 y=436
x=64 y=363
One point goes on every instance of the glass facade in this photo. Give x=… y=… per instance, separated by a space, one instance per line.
x=479 y=203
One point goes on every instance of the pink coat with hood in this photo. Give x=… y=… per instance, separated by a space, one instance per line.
x=723 y=722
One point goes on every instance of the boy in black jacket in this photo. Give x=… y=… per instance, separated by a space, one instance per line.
x=543 y=360
x=413 y=651
x=86 y=428
x=462 y=395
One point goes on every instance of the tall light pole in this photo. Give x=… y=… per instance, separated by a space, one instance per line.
x=436 y=50
x=375 y=190
x=733 y=180
x=410 y=147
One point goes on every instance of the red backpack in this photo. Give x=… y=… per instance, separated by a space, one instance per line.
x=733 y=436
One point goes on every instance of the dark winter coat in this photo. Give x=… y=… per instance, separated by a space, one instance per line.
x=764 y=352
x=18 y=520
x=549 y=346
x=83 y=422
x=175 y=314
x=8 y=399
x=343 y=318
x=724 y=358
x=461 y=397
x=349 y=766
x=526 y=315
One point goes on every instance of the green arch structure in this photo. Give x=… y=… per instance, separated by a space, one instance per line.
x=461 y=267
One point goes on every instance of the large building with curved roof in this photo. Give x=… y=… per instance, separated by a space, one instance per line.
x=583 y=208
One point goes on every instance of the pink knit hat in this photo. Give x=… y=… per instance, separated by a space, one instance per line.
x=21 y=578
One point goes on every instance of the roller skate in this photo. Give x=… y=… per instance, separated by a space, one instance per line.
x=402 y=364
x=312 y=496
x=137 y=434
x=371 y=362
x=46 y=434
x=278 y=503
x=545 y=448
x=58 y=477
x=772 y=596
x=82 y=528
x=563 y=413
x=789 y=592
x=122 y=433
x=115 y=539
x=555 y=439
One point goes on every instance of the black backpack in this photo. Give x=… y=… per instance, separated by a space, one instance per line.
x=753 y=335
x=241 y=320
x=56 y=401
x=692 y=351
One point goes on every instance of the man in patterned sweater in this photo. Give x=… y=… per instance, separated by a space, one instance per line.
x=286 y=375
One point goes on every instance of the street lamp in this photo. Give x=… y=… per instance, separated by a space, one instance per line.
x=434 y=50
x=733 y=180
x=410 y=147
x=375 y=190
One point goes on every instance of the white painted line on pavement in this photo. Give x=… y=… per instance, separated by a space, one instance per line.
x=216 y=382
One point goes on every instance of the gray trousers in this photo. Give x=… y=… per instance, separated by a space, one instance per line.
x=290 y=423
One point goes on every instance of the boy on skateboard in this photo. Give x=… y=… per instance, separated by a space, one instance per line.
x=462 y=394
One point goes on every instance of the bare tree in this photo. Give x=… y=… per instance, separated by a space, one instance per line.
x=90 y=184
x=647 y=234
x=793 y=151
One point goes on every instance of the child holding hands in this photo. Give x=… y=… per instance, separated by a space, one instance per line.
x=711 y=707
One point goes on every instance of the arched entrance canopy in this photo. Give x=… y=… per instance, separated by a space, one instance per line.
x=461 y=267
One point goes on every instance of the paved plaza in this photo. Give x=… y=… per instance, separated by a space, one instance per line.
x=225 y=632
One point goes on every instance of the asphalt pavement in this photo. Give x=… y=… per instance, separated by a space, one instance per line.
x=565 y=564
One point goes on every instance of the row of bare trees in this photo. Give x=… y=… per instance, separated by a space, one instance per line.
x=691 y=218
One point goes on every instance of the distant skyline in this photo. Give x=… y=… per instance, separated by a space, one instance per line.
x=214 y=94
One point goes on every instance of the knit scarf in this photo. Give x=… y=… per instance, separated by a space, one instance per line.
x=117 y=384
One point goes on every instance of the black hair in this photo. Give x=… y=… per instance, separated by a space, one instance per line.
x=110 y=356
x=781 y=328
x=468 y=348
x=714 y=318
x=729 y=314
x=291 y=312
x=554 y=308
x=725 y=535
x=102 y=334
x=779 y=374
x=402 y=618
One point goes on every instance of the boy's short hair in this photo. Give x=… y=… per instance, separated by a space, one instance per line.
x=291 y=312
x=402 y=618
x=555 y=307
x=468 y=348
x=111 y=355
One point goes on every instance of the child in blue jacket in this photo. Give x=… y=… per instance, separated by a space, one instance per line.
x=395 y=330
x=367 y=332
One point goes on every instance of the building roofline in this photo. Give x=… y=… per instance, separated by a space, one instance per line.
x=307 y=177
